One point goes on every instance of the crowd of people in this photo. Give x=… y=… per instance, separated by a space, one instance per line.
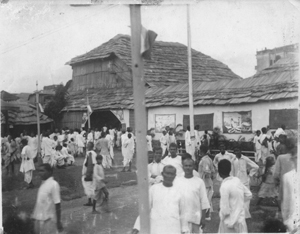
x=181 y=185
x=181 y=189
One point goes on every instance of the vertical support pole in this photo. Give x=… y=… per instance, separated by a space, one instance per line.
x=140 y=117
x=191 y=100
x=38 y=122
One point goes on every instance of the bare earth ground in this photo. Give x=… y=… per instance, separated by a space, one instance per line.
x=123 y=201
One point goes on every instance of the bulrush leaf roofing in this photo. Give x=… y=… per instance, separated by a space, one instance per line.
x=279 y=81
x=169 y=63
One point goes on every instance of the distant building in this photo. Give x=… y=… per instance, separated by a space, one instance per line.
x=45 y=95
x=267 y=57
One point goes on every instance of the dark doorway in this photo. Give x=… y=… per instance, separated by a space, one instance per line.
x=101 y=118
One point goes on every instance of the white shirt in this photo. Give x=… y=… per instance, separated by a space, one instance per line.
x=240 y=168
x=48 y=195
x=166 y=205
x=187 y=138
x=94 y=161
x=155 y=169
x=97 y=135
x=233 y=196
x=257 y=144
x=195 y=197
x=48 y=146
x=164 y=140
x=175 y=162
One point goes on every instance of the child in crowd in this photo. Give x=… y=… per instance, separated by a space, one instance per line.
x=59 y=158
x=72 y=147
x=268 y=187
x=99 y=183
x=68 y=157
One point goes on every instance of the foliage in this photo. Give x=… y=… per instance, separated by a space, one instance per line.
x=57 y=103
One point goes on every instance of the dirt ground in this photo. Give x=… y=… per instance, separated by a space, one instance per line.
x=123 y=201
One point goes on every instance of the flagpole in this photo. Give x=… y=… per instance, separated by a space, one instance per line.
x=89 y=119
x=38 y=121
x=191 y=102
x=140 y=117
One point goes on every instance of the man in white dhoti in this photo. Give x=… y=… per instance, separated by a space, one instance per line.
x=164 y=142
x=167 y=205
x=48 y=150
x=233 y=196
x=222 y=155
x=174 y=160
x=127 y=151
x=196 y=202
x=188 y=142
x=257 y=146
x=87 y=173
x=27 y=166
x=263 y=140
x=244 y=168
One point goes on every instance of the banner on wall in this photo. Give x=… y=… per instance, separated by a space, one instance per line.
x=288 y=117
x=119 y=114
x=237 y=122
x=205 y=121
x=163 y=121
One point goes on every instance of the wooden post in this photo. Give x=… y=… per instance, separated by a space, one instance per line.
x=191 y=100
x=38 y=122
x=140 y=118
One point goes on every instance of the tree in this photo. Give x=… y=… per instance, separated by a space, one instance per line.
x=57 y=103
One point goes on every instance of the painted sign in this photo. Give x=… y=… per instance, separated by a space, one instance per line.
x=205 y=121
x=163 y=121
x=237 y=122
x=119 y=114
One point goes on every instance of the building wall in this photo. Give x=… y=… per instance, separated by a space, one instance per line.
x=259 y=113
x=108 y=73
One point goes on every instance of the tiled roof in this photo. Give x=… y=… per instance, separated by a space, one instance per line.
x=5 y=96
x=279 y=81
x=169 y=63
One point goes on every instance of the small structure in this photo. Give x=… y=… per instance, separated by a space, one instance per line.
x=18 y=115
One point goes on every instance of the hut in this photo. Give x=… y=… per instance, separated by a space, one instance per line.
x=103 y=78
x=18 y=115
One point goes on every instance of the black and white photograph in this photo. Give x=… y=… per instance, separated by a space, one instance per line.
x=149 y=117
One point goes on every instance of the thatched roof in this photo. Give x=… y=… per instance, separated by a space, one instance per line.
x=5 y=96
x=169 y=63
x=279 y=81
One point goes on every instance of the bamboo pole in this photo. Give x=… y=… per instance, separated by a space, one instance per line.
x=89 y=119
x=140 y=117
x=38 y=122
x=191 y=101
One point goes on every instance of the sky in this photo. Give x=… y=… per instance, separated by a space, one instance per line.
x=37 y=39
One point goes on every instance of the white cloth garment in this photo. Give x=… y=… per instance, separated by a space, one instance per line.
x=164 y=143
x=48 y=196
x=155 y=169
x=290 y=202
x=232 y=213
x=149 y=142
x=166 y=207
x=127 y=150
x=195 y=197
x=219 y=157
x=240 y=170
x=175 y=162
x=257 y=148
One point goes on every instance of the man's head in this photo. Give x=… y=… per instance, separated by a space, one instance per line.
x=203 y=149
x=9 y=138
x=258 y=133
x=206 y=132
x=90 y=146
x=150 y=156
x=129 y=135
x=224 y=168
x=282 y=138
x=55 y=138
x=188 y=128
x=157 y=154
x=237 y=151
x=164 y=132
x=99 y=159
x=188 y=167
x=45 y=171
x=129 y=129
x=222 y=148
x=173 y=150
x=264 y=130
x=58 y=147
x=169 y=174
x=24 y=142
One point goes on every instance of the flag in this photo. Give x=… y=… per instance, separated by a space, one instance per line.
x=89 y=109
x=147 y=41
x=41 y=108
